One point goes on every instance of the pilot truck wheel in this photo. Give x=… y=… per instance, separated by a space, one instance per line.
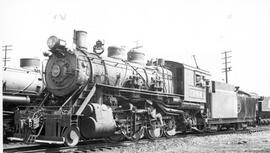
x=72 y=136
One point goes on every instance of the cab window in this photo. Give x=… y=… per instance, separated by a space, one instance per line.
x=199 y=80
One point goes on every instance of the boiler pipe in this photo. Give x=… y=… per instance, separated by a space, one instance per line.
x=10 y=99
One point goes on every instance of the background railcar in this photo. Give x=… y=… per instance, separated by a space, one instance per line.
x=229 y=107
x=263 y=111
x=21 y=86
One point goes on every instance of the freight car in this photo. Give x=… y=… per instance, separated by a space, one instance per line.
x=90 y=96
x=230 y=107
x=20 y=86
x=263 y=111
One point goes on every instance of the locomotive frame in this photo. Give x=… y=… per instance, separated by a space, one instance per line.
x=93 y=97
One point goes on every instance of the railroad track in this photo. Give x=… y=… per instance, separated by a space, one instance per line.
x=101 y=145
x=81 y=148
x=230 y=131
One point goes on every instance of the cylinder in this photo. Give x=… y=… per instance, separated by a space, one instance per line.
x=116 y=52
x=90 y=128
x=88 y=110
x=15 y=100
x=80 y=39
x=136 y=57
x=99 y=124
x=29 y=63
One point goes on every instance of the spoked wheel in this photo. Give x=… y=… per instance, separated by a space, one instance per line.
x=134 y=135
x=138 y=135
x=154 y=131
x=72 y=136
x=170 y=129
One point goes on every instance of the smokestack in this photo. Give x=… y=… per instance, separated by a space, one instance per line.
x=79 y=39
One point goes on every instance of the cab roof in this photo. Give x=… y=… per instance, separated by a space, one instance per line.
x=177 y=64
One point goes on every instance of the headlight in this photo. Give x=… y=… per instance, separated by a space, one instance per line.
x=54 y=42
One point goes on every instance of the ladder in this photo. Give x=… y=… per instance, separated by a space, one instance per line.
x=84 y=98
x=32 y=138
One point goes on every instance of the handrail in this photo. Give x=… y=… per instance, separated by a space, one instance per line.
x=74 y=93
x=86 y=100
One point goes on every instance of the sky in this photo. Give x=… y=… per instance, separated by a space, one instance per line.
x=170 y=29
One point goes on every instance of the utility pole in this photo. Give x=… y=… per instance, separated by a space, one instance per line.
x=6 y=48
x=227 y=68
x=138 y=44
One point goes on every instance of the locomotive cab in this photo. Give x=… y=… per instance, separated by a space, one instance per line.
x=189 y=81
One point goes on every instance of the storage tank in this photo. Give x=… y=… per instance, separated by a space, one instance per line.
x=29 y=63
x=136 y=56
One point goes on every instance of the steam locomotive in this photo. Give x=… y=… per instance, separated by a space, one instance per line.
x=20 y=86
x=89 y=96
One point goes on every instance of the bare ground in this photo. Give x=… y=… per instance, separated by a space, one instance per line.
x=232 y=143
x=229 y=143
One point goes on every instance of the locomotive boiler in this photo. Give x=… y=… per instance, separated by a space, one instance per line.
x=67 y=70
x=90 y=96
